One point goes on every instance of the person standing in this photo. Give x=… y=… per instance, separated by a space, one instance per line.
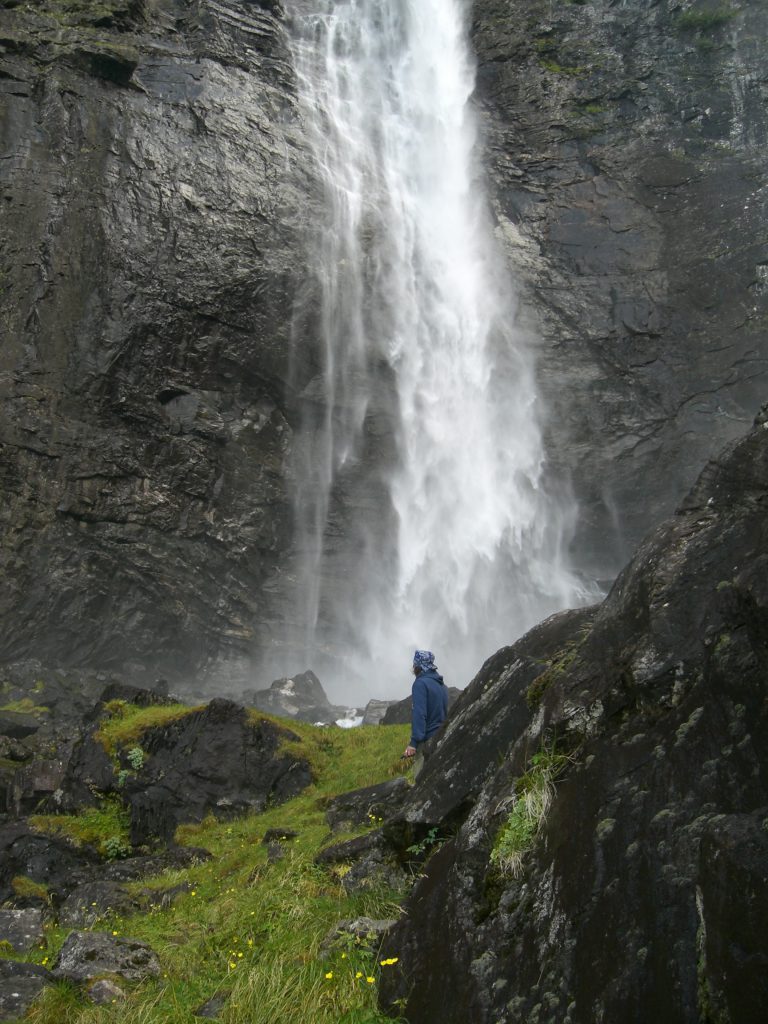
x=430 y=701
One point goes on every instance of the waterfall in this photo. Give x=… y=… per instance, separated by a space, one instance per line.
x=423 y=513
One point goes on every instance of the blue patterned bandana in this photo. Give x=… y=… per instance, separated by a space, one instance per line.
x=423 y=660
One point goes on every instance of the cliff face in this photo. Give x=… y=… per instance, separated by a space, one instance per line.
x=151 y=255
x=155 y=195
x=626 y=160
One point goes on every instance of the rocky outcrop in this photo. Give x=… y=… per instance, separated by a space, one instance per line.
x=639 y=893
x=217 y=760
x=301 y=697
x=20 y=985
x=87 y=955
x=624 y=155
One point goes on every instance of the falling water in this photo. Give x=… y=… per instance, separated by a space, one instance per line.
x=422 y=512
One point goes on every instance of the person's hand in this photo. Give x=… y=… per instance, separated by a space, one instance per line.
x=409 y=751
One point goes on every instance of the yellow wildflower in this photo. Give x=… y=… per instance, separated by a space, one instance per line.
x=329 y=975
x=370 y=980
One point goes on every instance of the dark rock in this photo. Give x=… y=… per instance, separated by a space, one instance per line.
x=211 y=1009
x=20 y=985
x=366 y=806
x=32 y=785
x=278 y=835
x=300 y=697
x=17 y=725
x=93 y=901
x=732 y=902
x=46 y=860
x=399 y=712
x=370 y=859
x=162 y=898
x=104 y=992
x=87 y=955
x=622 y=170
x=275 y=852
x=21 y=929
x=13 y=750
x=654 y=845
x=176 y=858
x=136 y=530
x=352 y=849
x=375 y=710
x=212 y=761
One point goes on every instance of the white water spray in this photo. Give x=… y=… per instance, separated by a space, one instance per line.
x=458 y=547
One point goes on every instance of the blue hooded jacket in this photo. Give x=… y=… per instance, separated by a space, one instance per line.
x=430 y=705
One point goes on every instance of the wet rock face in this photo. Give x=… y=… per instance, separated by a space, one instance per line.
x=301 y=697
x=152 y=191
x=655 y=845
x=625 y=161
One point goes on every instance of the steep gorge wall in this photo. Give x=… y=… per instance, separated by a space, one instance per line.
x=152 y=194
x=155 y=197
x=626 y=156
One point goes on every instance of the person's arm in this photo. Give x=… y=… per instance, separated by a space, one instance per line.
x=419 y=713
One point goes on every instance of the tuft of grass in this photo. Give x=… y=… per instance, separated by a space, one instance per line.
x=533 y=797
x=25 y=706
x=26 y=888
x=705 y=21
x=252 y=928
x=105 y=827
x=124 y=724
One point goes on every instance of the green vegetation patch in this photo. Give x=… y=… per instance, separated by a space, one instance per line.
x=252 y=929
x=25 y=706
x=705 y=21
x=124 y=724
x=105 y=828
x=533 y=793
x=27 y=888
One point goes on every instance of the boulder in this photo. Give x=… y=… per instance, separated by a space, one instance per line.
x=654 y=845
x=104 y=992
x=370 y=862
x=212 y=1007
x=46 y=860
x=20 y=985
x=367 y=806
x=217 y=760
x=375 y=711
x=87 y=955
x=301 y=696
x=93 y=901
x=21 y=929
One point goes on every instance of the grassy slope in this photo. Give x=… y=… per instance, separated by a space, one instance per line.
x=251 y=928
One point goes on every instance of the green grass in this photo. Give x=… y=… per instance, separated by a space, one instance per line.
x=25 y=706
x=124 y=724
x=104 y=827
x=252 y=928
x=533 y=796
